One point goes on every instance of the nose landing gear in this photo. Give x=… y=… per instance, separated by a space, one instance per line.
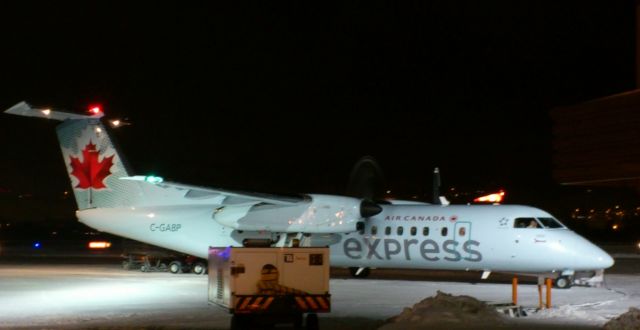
x=563 y=282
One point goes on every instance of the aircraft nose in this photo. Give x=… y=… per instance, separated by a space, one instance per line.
x=584 y=255
x=597 y=258
x=605 y=260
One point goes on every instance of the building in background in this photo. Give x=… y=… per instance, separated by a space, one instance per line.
x=596 y=146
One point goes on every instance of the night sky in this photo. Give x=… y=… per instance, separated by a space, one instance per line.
x=286 y=96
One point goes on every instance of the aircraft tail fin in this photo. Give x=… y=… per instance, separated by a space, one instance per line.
x=94 y=164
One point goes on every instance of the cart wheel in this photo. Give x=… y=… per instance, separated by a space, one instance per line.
x=297 y=321
x=175 y=267
x=199 y=268
x=312 y=322
x=238 y=322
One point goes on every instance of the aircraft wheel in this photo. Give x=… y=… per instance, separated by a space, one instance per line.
x=312 y=322
x=563 y=282
x=199 y=268
x=354 y=272
x=126 y=265
x=175 y=267
x=144 y=268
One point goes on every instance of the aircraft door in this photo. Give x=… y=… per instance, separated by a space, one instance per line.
x=461 y=234
x=462 y=231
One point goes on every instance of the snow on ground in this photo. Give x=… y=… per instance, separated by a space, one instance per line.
x=446 y=309
x=578 y=306
x=80 y=296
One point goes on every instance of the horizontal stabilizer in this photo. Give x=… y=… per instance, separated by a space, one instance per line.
x=24 y=109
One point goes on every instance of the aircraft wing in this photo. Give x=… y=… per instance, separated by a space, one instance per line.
x=236 y=197
x=265 y=212
x=224 y=196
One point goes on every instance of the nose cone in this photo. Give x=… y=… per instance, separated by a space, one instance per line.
x=577 y=253
x=592 y=257
x=604 y=260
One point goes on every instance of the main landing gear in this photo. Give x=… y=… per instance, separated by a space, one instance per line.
x=197 y=267
x=175 y=264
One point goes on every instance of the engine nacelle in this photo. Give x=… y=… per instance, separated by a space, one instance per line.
x=319 y=214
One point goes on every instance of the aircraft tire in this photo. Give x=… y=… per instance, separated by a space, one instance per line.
x=312 y=322
x=199 y=268
x=364 y=273
x=175 y=267
x=563 y=282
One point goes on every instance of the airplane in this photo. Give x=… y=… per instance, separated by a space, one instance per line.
x=362 y=234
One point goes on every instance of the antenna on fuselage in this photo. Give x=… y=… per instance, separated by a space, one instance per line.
x=436 y=186
x=437 y=198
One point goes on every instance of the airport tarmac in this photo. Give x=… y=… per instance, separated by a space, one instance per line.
x=45 y=294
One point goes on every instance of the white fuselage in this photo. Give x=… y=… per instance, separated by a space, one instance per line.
x=190 y=219
x=460 y=237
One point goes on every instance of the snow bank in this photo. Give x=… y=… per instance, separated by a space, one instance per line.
x=445 y=310
x=628 y=320
x=569 y=312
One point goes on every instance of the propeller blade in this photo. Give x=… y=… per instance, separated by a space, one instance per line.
x=366 y=180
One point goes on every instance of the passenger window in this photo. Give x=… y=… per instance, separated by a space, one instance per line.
x=387 y=231
x=374 y=230
x=425 y=231
x=399 y=231
x=444 y=231
x=526 y=223
x=414 y=230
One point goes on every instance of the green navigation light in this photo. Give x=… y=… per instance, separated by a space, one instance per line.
x=153 y=179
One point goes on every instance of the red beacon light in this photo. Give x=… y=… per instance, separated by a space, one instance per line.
x=491 y=198
x=95 y=109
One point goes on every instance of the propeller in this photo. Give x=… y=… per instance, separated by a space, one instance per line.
x=367 y=182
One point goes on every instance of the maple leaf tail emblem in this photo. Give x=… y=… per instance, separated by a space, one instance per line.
x=91 y=172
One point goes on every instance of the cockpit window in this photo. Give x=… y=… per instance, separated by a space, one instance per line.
x=537 y=223
x=526 y=223
x=551 y=223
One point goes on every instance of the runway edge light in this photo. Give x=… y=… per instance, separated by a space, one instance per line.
x=99 y=245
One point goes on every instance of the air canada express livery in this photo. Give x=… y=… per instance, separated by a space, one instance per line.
x=362 y=234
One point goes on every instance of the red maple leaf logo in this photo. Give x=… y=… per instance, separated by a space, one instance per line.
x=91 y=172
